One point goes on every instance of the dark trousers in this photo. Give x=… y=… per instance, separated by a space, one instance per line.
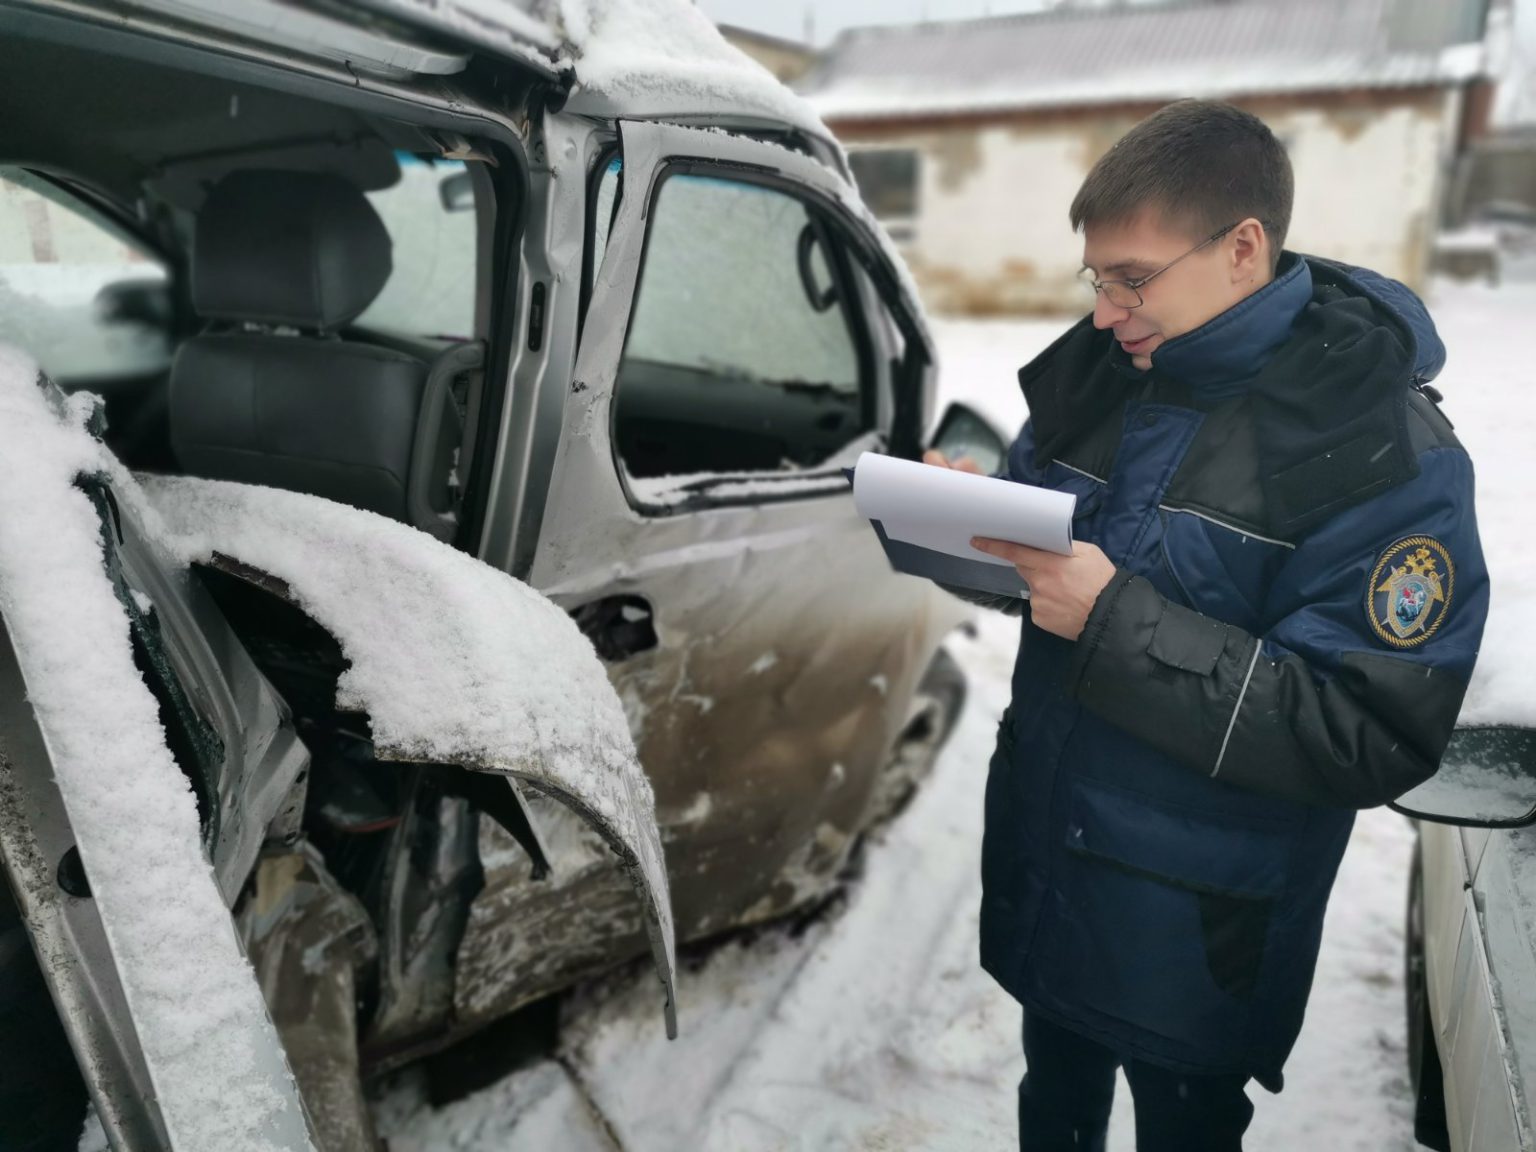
x=1069 y=1085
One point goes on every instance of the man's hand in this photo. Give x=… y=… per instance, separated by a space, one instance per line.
x=939 y=460
x=1062 y=589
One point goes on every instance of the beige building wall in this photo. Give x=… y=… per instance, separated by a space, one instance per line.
x=786 y=60
x=991 y=234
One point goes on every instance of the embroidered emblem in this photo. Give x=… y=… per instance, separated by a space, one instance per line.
x=1410 y=591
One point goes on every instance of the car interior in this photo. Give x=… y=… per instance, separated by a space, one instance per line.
x=282 y=289
x=298 y=289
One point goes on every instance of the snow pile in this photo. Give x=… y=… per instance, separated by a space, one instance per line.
x=453 y=661
x=198 y=1011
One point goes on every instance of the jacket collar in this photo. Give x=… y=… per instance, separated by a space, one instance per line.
x=1330 y=400
x=1222 y=357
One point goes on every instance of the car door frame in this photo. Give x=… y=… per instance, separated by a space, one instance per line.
x=580 y=555
x=649 y=149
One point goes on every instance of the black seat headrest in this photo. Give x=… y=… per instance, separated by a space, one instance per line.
x=297 y=248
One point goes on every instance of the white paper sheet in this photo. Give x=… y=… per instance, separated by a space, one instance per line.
x=940 y=510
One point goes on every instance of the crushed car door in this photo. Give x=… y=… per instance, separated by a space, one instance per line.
x=740 y=350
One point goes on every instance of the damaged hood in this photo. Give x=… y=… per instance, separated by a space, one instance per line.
x=452 y=661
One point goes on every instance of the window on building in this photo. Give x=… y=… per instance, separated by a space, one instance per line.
x=888 y=181
x=740 y=355
x=77 y=294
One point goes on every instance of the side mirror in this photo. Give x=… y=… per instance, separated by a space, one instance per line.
x=964 y=432
x=805 y=248
x=1487 y=779
x=457 y=193
x=145 y=302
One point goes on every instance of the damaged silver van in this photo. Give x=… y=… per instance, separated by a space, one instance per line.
x=395 y=310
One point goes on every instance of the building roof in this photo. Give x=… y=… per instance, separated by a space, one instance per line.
x=736 y=34
x=1146 y=53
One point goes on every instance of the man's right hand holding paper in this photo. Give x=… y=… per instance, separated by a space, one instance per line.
x=939 y=460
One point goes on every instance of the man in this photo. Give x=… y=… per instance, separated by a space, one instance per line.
x=1269 y=620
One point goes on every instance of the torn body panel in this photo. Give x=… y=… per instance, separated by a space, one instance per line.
x=309 y=941
x=452 y=662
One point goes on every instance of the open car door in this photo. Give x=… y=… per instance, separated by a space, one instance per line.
x=747 y=337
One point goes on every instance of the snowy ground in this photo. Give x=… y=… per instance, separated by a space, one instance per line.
x=875 y=1029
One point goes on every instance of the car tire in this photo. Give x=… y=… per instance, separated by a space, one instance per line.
x=42 y=1095
x=1424 y=1071
x=935 y=709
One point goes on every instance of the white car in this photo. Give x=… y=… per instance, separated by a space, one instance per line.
x=1471 y=944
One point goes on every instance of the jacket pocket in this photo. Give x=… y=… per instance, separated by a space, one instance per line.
x=1167 y=913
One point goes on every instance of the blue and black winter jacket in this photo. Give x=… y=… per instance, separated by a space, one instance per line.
x=1299 y=600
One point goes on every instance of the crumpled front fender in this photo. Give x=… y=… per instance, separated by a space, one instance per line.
x=452 y=661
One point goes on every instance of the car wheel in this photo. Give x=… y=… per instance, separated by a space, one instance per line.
x=1424 y=1072
x=42 y=1095
x=936 y=706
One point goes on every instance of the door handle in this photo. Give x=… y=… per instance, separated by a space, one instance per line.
x=618 y=626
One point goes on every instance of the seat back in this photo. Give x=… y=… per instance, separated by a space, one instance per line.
x=269 y=394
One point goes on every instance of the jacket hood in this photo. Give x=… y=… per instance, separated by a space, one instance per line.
x=1331 y=399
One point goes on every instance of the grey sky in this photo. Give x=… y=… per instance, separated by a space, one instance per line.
x=788 y=17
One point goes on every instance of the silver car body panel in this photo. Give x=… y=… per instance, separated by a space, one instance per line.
x=1471 y=1007
x=71 y=935
x=66 y=931
x=760 y=794
x=1503 y=877
x=505 y=28
x=313 y=33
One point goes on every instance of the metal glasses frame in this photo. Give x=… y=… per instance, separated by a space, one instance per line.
x=1110 y=287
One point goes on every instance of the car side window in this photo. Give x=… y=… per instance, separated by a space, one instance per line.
x=430 y=215
x=742 y=353
x=76 y=294
x=605 y=202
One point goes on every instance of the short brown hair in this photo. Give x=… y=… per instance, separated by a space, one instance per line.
x=1202 y=164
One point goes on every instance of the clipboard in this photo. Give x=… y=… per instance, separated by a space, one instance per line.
x=925 y=517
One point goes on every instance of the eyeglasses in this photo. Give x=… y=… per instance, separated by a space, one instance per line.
x=1127 y=293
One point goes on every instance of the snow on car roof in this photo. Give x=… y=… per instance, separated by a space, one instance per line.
x=453 y=661
x=196 y=1006
x=640 y=58
x=665 y=57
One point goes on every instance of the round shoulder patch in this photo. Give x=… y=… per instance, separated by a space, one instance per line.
x=1410 y=591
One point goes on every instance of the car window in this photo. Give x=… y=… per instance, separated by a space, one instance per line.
x=431 y=218
x=740 y=356
x=605 y=201
x=76 y=293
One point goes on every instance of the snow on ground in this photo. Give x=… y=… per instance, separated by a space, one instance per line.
x=875 y=1028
